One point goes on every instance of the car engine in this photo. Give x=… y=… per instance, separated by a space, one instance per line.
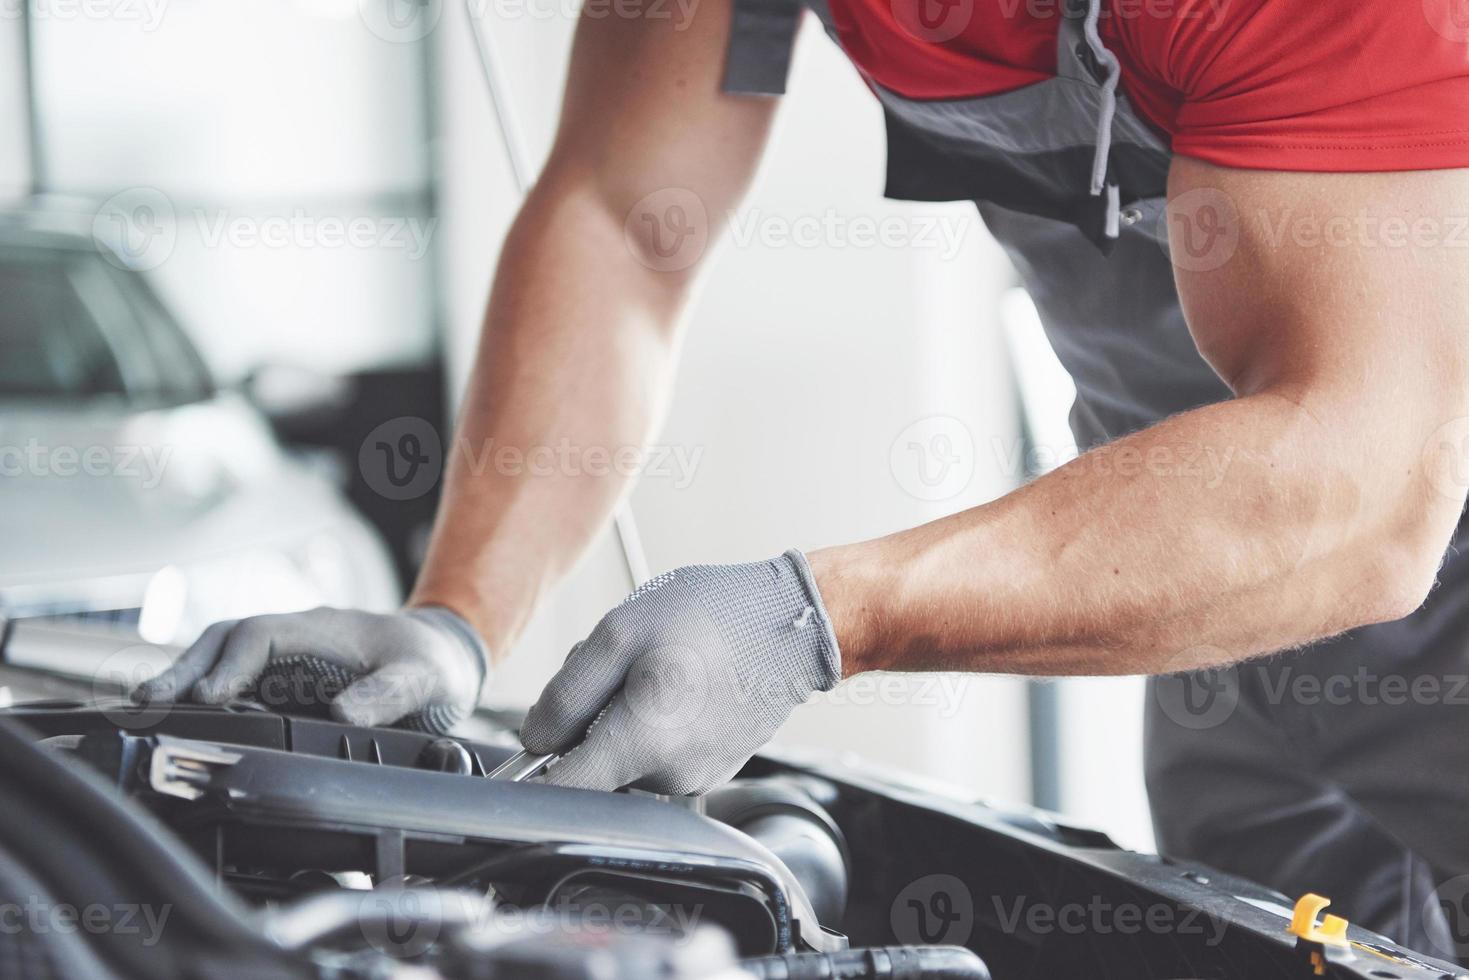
x=261 y=844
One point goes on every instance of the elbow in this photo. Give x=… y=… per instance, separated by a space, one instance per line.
x=1396 y=575
x=1379 y=525
x=1399 y=595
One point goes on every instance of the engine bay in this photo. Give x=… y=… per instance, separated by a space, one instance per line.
x=297 y=846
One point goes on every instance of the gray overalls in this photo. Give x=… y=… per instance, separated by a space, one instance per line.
x=1308 y=771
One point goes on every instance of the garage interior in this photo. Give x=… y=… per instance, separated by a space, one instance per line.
x=275 y=224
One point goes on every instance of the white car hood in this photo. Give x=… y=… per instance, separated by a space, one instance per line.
x=91 y=493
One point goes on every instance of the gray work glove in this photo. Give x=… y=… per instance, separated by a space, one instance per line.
x=687 y=678
x=362 y=668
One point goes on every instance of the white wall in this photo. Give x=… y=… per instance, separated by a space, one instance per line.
x=268 y=99
x=14 y=164
x=1100 y=736
x=794 y=390
x=1101 y=757
x=253 y=130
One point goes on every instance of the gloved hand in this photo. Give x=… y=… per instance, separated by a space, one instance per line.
x=685 y=680
x=425 y=662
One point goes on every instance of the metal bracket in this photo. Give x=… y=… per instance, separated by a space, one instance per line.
x=182 y=767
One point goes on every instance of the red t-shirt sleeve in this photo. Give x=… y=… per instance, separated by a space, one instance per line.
x=1318 y=85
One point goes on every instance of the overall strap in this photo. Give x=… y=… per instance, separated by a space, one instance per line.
x=762 y=36
x=1081 y=56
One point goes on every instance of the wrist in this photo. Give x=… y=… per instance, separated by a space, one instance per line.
x=471 y=612
x=849 y=583
x=448 y=621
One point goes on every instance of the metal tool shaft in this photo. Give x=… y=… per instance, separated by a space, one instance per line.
x=522 y=765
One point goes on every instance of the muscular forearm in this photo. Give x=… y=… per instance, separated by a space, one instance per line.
x=580 y=334
x=1237 y=529
x=578 y=339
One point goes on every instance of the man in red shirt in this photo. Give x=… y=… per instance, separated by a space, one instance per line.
x=1301 y=308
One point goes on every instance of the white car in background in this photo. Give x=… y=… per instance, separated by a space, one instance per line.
x=134 y=494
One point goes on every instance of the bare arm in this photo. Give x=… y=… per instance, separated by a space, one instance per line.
x=580 y=335
x=1330 y=501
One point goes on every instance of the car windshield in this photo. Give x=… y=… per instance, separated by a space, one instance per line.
x=50 y=344
x=73 y=327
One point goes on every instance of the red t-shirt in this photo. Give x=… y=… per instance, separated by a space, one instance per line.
x=1322 y=85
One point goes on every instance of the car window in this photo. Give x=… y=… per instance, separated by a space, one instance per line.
x=50 y=344
x=73 y=326
x=178 y=373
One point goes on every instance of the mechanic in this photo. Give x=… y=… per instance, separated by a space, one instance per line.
x=1301 y=309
